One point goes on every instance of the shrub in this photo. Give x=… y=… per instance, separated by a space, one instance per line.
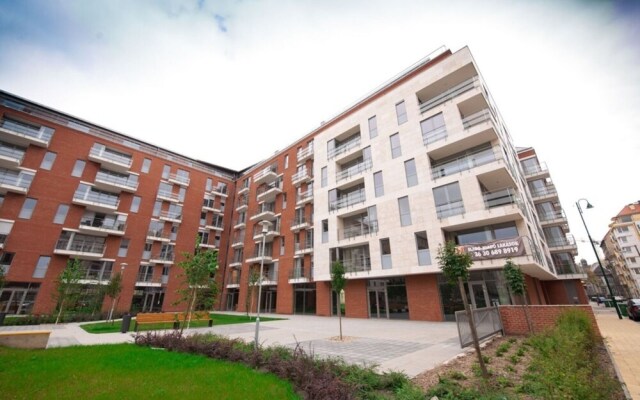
x=503 y=348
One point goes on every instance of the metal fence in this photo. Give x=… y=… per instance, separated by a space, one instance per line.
x=487 y=321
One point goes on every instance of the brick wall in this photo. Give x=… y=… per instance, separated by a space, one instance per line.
x=355 y=298
x=424 y=298
x=323 y=296
x=542 y=317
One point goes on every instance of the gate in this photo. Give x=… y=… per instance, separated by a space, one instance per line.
x=487 y=321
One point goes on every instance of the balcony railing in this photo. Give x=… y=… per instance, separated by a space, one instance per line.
x=500 y=197
x=276 y=187
x=102 y=152
x=355 y=197
x=221 y=190
x=363 y=229
x=158 y=234
x=549 y=190
x=476 y=118
x=450 y=209
x=16 y=179
x=354 y=170
x=530 y=170
x=301 y=273
x=300 y=176
x=449 y=94
x=303 y=247
x=180 y=179
x=297 y=223
x=12 y=152
x=565 y=268
x=552 y=215
x=242 y=202
x=147 y=278
x=464 y=163
x=358 y=264
x=80 y=246
x=344 y=147
x=130 y=182
x=268 y=172
x=169 y=196
x=171 y=215
x=103 y=224
x=274 y=229
x=434 y=135
x=263 y=209
x=304 y=196
x=567 y=241
x=233 y=279
x=95 y=197
x=163 y=257
x=42 y=134
x=305 y=153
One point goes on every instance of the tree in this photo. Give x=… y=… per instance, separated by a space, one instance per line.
x=254 y=278
x=455 y=266
x=3 y=280
x=338 y=282
x=67 y=285
x=516 y=281
x=112 y=290
x=199 y=271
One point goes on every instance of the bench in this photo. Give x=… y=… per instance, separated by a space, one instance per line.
x=25 y=339
x=175 y=318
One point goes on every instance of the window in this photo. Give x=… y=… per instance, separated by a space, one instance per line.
x=166 y=170
x=48 y=160
x=401 y=112
x=157 y=206
x=183 y=176
x=325 y=230
x=410 y=172
x=181 y=193
x=625 y=218
x=209 y=185
x=61 y=214
x=281 y=245
x=433 y=129
x=135 y=204
x=146 y=165
x=405 y=211
x=396 y=150
x=378 y=184
x=385 y=252
x=124 y=247
x=448 y=200
x=286 y=161
x=78 y=168
x=483 y=234
x=632 y=260
x=323 y=177
x=623 y=239
x=626 y=249
x=373 y=127
x=5 y=261
x=27 y=208
x=284 y=201
x=422 y=246
x=41 y=267
x=623 y=229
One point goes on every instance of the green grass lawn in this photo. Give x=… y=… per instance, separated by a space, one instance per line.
x=126 y=371
x=218 y=319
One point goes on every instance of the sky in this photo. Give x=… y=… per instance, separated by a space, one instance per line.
x=232 y=82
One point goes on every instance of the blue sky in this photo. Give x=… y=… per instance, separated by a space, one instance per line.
x=205 y=78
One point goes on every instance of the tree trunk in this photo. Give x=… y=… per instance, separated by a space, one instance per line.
x=339 y=307
x=527 y=314
x=113 y=305
x=472 y=327
x=60 y=311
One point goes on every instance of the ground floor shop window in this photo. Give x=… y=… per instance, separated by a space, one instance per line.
x=18 y=298
x=387 y=298
x=148 y=299
x=304 y=300
x=484 y=289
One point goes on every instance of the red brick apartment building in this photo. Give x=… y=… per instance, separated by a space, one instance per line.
x=423 y=159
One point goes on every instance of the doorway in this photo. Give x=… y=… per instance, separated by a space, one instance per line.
x=268 y=303
x=153 y=301
x=378 y=303
x=232 y=300
x=478 y=294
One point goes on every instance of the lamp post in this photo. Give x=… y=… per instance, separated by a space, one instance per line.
x=604 y=274
x=265 y=230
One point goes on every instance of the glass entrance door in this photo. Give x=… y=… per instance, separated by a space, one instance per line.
x=378 y=304
x=479 y=297
x=152 y=301
x=268 y=301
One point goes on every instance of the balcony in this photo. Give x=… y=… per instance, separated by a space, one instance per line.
x=268 y=193
x=209 y=205
x=158 y=235
x=179 y=179
x=477 y=118
x=305 y=153
x=168 y=196
x=274 y=230
x=105 y=224
x=350 y=199
x=235 y=263
x=434 y=135
x=345 y=147
x=266 y=211
x=11 y=156
x=239 y=223
x=6 y=225
x=257 y=257
x=362 y=229
x=300 y=223
x=108 y=180
x=217 y=226
x=303 y=248
x=147 y=280
x=238 y=239
x=548 y=192
x=356 y=264
x=15 y=181
x=300 y=177
x=354 y=170
x=450 y=209
x=449 y=94
x=269 y=276
x=81 y=246
x=243 y=190
x=220 y=190
x=233 y=281
x=535 y=171
x=206 y=245
x=266 y=175
x=564 y=244
x=304 y=197
x=94 y=199
x=501 y=197
x=24 y=134
x=476 y=157
x=301 y=275
x=171 y=216
x=110 y=158
x=242 y=203
x=162 y=258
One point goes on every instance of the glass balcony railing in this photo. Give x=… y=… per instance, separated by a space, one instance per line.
x=233 y=279
x=450 y=209
x=363 y=229
x=357 y=264
x=301 y=273
x=127 y=181
x=90 y=195
x=305 y=153
x=12 y=152
x=567 y=241
x=102 y=152
x=163 y=256
x=103 y=223
x=549 y=190
x=534 y=169
x=476 y=118
x=300 y=176
x=551 y=215
x=180 y=179
x=434 y=135
x=80 y=246
x=29 y=131
x=463 y=163
x=18 y=179
x=354 y=170
x=304 y=196
x=355 y=197
x=171 y=215
x=449 y=94
x=500 y=197
x=344 y=147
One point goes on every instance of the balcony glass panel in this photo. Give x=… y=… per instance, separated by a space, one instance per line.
x=130 y=181
x=21 y=179
x=9 y=150
x=348 y=199
x=353 y=169
x=344 y=146
x=22 y=128
x=100 y=150
x=463 y=161
x=90 y=194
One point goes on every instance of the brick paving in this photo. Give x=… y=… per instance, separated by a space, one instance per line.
x=622 y=337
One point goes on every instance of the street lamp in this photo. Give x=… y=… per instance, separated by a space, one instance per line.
x=265 y=230
x=604 y=274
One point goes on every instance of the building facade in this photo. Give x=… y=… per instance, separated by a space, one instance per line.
x=621 y=247
x=423 y=159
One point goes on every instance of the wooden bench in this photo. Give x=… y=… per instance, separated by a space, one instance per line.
x=175 y=318
x=25 y=339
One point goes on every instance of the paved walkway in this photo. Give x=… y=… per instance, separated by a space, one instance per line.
x=622 y=337
x=408 y=346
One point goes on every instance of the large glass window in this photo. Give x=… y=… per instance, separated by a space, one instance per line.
x=411 y=172
x=482 y=234
x=124 y=247
x=146 y=165
x=78 y=168
x=166 y=170
x=27 y=208
x=401 y=112
x=61 y=214
x=323 y=177
x=378 y=184
x=373 y=127
x=385 y=252
x=405 y=211
x=433 y=129
x=448 y=200
x=422 y=246
x=396 y=149
x=48 y=160
x=41 y=267
x=135 y=204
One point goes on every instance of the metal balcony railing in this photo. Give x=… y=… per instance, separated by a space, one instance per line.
x=80 y=246
x=449 y=94
x=354 y=170
x=344 y=147
x=130 y=182
x=103 y=152
x=464 y=163
x=355 y=197
x=43 y=133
